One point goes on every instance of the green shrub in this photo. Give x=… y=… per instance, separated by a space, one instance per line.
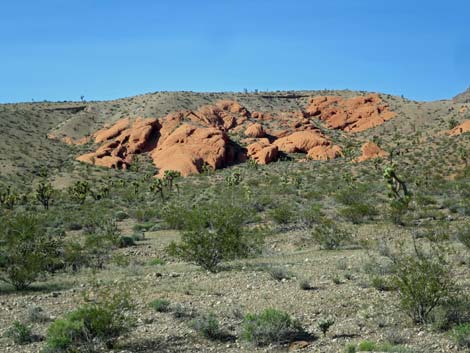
x=214 y=233
x=98 y=323
x=463 y=236
x=37 y=315
x=461 y=335
x=121 y=215
x=126 y=241
x=270 y=326
x=358 y=212
x=329 y=235
x=208 y=326
x=310 y=215
x=26 y=251
x=279 y=273
x=325 y=324
x=451 y=312
x=423 y=281
x=161 y=305
x=282 y=214
x=380 y=283
x=156 y=262
x=370 y=346
x=20 y=333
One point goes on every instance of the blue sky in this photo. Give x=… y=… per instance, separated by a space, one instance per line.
x=103 y=49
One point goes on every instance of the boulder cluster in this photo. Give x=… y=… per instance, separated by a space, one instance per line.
x=189 y=141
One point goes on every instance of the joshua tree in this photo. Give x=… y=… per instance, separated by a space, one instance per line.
x=44 y=193
x=169 y=177
x=8 y=198
x=398 y=193
x=79 y=191
x=157 y=187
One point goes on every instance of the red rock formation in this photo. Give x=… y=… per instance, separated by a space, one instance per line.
x=370 y=151
x=353 y=114
x=188 y=148
x=325 y=153
x=255 y=130
x=301 y=141
x=121 y=142
x=263 y=152
x=186 y=140
x=315 y=144
x=460 y=129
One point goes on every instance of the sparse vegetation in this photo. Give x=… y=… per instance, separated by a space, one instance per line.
x=270 y=326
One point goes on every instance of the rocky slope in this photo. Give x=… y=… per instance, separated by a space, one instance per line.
x=188 y=141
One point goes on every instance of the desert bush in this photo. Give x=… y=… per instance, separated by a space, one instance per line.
x=26 y=251
x=463 y=235
x=451 y=312
x=461 y=335
x=370 y=346
x=79 y=191
x=213 y=233
x=279 y=273
x=310 y=215
x=325 y=324
x=282 y=214
x=126 y=241
x=20 y=333
x=161 y=305
x=329 y=236
x=423 y=280
x=270 y=326
x=36 y=314
x=92 y=325
x=304 y=284
x=208 y=326
x=358 y=212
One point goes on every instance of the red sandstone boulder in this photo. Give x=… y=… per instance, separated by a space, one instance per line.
x=370 y=151
x=353 y=114
x=301 y=141
x=188 y=148
x=325 y=153
x=263 y=152
x=255 y=130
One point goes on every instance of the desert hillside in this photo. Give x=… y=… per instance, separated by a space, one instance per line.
x=310 y=221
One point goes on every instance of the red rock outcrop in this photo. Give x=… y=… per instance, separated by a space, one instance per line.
x=263 y=152
x=312 y=142
x=187 y=140
x=460 y=129
x=325 y=153
x=353 y=114
x=121 y=142
x=370 y=151
x=255 y=130
x=188 y=148
x=301 y=141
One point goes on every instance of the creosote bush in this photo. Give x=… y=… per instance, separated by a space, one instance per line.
x=161 y=305
x=92 y=326
x=270 y=326
x=208 y=326
x=26 y=251
x=461 y=335
x=216 y=232
x=329 y=236
x=423 y=281
x=20 y=333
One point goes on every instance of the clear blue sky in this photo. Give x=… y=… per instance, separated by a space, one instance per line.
x=104 y=49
